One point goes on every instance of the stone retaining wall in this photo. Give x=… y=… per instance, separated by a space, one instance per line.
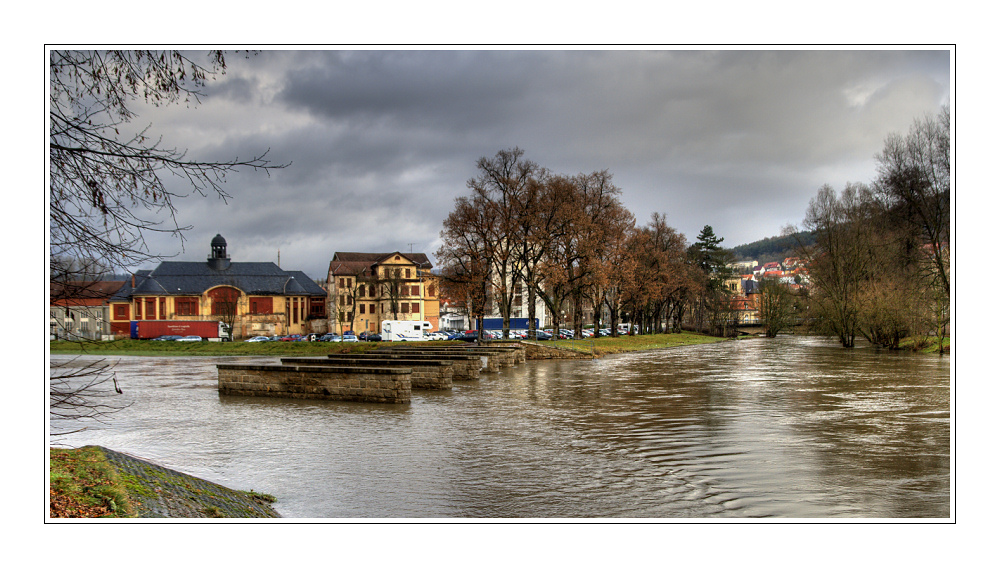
x=488 y=362
x=535 y=352
x=359 y=384
x=425 y=374
x=464 y=367
x=494 y=358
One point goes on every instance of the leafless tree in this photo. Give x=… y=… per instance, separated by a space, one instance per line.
x=841 y=261
x=106 y=176
x=775 y=306
x=81 y=392
x=505 y=186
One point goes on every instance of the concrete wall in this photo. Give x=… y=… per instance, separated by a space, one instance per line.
x=429 y=375
x=464 y=367
x=359 y=384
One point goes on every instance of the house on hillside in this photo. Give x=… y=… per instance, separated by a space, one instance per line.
x=257 y=298
x=368 y=288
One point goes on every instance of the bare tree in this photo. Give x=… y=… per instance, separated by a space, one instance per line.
x=840 y=262
x=914 y=185
x=80 y=392
x=504 y=185
x=466 y=256
x=106 y=188
x=775 y=306
x=106 y=176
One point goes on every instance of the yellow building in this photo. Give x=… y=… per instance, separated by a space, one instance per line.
x=366 y=289
x=255 y=298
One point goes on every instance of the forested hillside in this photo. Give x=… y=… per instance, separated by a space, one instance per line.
x=774 y=248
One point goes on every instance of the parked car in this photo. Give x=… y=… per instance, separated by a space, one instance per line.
x=327 y=337
x=257 y=339
x=294 y=337
x=373 y=337
x=349 y=338
x=470 y=335
x=189 y=338
x=167 y=338
x=437 y=336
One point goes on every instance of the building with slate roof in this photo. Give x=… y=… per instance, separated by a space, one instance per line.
x=368 y=288
x=80 y=309
x=258 y=297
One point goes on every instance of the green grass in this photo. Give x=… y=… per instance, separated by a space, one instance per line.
x=601 y=346
x=208 y=348
x=625 y=344
x=83 y=484
x=924 y=344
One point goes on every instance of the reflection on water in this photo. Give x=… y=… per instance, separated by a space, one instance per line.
x=793 y=427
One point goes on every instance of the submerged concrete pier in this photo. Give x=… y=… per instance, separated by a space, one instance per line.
x=430 y=374
x=335 y=382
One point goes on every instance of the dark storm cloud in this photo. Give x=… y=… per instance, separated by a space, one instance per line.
x=381 y=142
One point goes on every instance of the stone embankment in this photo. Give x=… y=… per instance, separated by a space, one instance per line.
x=335 y=382
x=160 y=492
x=429 y=374
x=386 y=375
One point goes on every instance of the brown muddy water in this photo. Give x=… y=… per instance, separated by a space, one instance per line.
x=795 y=427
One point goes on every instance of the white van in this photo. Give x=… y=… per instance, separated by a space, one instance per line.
x=394 y=330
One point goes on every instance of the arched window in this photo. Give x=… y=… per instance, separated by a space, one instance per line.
x=224 y=300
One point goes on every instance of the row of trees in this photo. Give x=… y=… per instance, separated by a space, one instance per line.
x=880 y=264
x=568 y=240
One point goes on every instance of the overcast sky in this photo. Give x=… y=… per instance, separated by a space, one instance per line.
x=382 y=142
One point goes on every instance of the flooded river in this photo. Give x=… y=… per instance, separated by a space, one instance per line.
x=791 y=428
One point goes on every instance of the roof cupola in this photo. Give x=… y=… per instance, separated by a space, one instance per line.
x=219 y=260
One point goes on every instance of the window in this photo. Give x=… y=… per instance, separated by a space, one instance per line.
x=405 y=307
x=317 y=307
x=163 y=308
x=295 y=310
x=186 y=306
x=224 y=300
x=407 y=272
x=341 y=282
x=430 y=290
x=259 y=306
x=371 y=290
x=371 y=308
x=361 y=291
x=361 y=308
x=151 y=308
x=121 y=312
x=414 y=290
x=415 y=307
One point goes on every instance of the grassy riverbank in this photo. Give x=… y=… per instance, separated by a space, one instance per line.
x=624 y=344
x=599 y=346
x=925 y=344
x=95 y=482
x=82 y=484
x=208 y=348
